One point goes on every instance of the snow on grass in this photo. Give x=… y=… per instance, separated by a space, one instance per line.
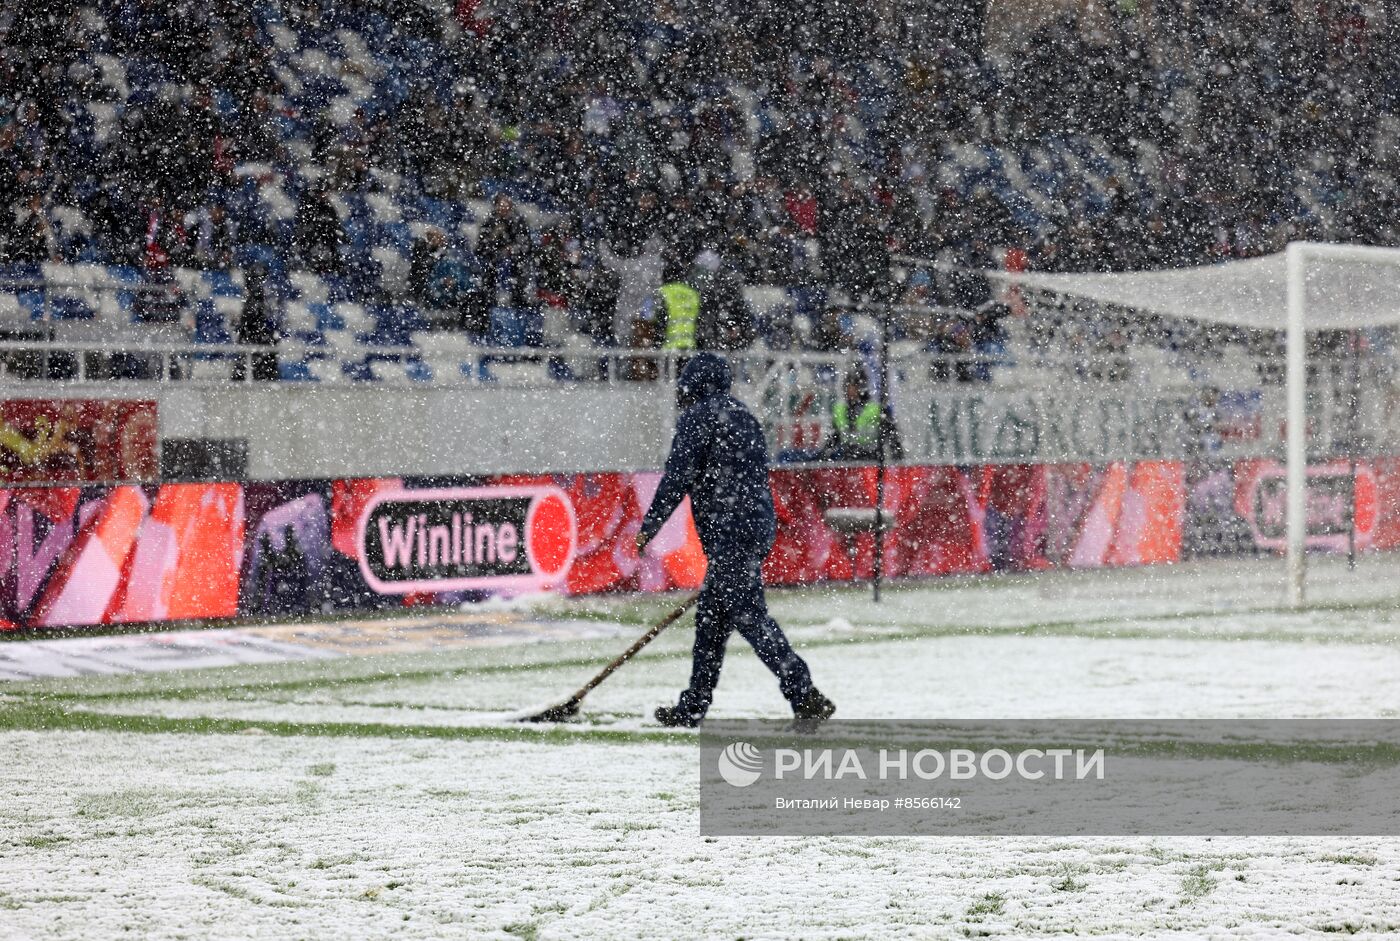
x=387 y=796
x=1211 y=587
x=944 y=678
x=164 y=836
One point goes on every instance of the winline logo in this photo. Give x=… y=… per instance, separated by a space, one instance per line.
x=520 y=538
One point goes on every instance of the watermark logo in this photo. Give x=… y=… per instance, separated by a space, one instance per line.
x=1051 y=778
x=740 y=764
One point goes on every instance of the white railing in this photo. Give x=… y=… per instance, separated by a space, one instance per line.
x=79 y=361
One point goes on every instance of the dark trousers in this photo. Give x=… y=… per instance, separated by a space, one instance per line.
x=732 y=600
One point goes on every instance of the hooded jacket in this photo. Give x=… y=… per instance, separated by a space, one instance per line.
x=720 y=460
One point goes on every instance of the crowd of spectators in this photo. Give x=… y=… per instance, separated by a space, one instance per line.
x=712 y=145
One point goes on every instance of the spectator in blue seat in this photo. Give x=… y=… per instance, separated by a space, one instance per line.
x=951 y=342
x=830 y=332
x=593 y=300
x=26 y=235
x=212 y=237
x=161 y=302
x=445 y=285
x=256 y=328
x=989 y=337
x=504 y=244
x=726 y=322
x=318 y=233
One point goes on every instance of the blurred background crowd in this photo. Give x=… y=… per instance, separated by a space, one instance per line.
x=635 y=170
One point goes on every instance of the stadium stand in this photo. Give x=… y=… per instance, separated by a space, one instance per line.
x=414 y=181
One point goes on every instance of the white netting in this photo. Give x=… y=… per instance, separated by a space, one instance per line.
x=1348 y=287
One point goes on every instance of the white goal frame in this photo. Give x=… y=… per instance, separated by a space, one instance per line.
x=1297 y=257
x=1264 y=293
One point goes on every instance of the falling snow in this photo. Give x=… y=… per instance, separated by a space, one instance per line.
x=263 y=262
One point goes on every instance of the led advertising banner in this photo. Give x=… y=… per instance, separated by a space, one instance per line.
x=520 y=538
x=77 y=440
x=105 y=555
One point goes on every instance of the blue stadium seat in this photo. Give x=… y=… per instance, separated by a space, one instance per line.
x=445 y=215
x=512 y=326
x=221 y=284
x=209 y=324
x=295 y=371
x=397 y=235
x=33 y=302
x=339 y=290
x=69 y=308
x=359 y=372
x=18 y=272
x=359 y=233
x=326 y=319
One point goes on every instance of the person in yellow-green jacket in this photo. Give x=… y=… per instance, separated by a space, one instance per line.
x=682 y=303
x=855 y=425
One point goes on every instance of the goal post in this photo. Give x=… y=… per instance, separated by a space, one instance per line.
x=1295 y=428
x=1297 y=259
x=1310 y=335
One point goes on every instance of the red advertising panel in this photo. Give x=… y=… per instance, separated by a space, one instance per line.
x=94 y=555
x=77 y=440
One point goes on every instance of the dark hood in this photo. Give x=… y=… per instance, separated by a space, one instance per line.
x=705 y=376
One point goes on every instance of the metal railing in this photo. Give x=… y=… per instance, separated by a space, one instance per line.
x=79 y=361
x=52 y=293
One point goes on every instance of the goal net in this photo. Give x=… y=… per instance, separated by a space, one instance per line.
x=1272 y=380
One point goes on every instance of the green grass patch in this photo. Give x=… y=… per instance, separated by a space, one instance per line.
x=1198 y=882
x=123 y=803
x=993 y=903
x=1068 y=883
x=64 y=717
x=57 y=718
x=45 y=840
x=1350 y=859
x=350 y=672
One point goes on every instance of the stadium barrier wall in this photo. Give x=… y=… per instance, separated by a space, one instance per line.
x=178 y=551
x=302 y=431
x=299 y=431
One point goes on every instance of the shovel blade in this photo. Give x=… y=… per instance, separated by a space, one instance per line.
x=560 y=713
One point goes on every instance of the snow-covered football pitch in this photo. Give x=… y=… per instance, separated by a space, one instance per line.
x=390 y=795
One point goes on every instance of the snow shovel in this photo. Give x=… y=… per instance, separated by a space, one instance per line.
x=569 y=708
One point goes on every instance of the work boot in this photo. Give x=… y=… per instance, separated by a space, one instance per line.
x=808 y=715
x=674 y=717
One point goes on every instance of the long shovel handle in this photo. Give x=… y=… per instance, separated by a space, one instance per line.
x=637 y=645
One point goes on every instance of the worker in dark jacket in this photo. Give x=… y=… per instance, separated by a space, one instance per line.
x=719 y=459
